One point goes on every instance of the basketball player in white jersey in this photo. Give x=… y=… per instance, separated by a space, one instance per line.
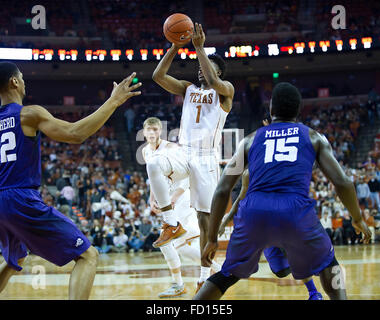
x=204 y=112
x=188 y=245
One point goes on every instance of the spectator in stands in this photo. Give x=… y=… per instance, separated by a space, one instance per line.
x=63 y=204
x=135 y=242
x=349 y=234
x=152 y=237
x=96 y=227
x=100 y=242
x=374 y=188
x=68 y=193
x=120 y=240
x=129 y=227
x=363 y=192
x=134 y=195
x=97 y=240
x=108 y=206
x=327 y=208
x=326 y=224
x=337 y=224
x=96 y=197
x=62 y=181
x=145 y=228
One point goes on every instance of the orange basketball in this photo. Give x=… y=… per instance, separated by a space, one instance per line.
x=176 y=27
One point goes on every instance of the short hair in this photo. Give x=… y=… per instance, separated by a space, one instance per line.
x=7 y=71
x=152 y=121
x=286 y=101
x=220 y=63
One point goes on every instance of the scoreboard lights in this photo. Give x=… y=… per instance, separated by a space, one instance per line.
x=67 y=55
x=46 y=54
x=115 y=54
x=95 y=55
x=242 y=52
x=367 y=42
x=129 y=54
x=339 y=45
x=245 y=51
x=324 y=45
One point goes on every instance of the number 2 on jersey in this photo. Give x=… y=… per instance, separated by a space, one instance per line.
x=10 y=137
x=198 y=113
x=283 y=152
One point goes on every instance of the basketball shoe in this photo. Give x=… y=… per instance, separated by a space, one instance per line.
x=174 y=291
x=316 y=296
x=169 y=233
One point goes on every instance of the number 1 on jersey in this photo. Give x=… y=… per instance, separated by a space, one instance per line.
x=198 y=113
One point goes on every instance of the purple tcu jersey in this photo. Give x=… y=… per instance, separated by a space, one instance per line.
x=20 y=165
x=281 y=159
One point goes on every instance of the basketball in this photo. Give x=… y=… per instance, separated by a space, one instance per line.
x=176 y=27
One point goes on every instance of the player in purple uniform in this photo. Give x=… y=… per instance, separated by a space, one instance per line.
x=26 y=223
x=276 y=257
x=277 y=211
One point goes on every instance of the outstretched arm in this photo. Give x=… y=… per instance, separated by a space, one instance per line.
x=161 y=77
x=343 y=185
x=224 y=88
x=37 y=118
x=243 y=191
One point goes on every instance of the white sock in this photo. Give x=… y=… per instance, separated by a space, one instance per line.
x=205 y=274
x=169 y=218
x=177 y=278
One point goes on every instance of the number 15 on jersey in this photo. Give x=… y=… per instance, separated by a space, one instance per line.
x=280 y=150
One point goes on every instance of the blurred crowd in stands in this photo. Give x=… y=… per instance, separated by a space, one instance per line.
x=138 y=24
x=341 y=124
x=110 y=204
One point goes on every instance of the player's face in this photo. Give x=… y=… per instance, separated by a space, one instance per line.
x=201 y=77
x=21 y=84
x=152 y=133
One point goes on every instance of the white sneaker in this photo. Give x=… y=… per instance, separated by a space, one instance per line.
x=174 y=291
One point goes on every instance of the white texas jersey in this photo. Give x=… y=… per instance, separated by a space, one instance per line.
x=148 y=152
x=202 y=118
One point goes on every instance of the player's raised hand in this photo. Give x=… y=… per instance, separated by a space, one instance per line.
x=123 y=91
x=209 y=253
x=362 y=227
x=177 y=46
x=199 y=36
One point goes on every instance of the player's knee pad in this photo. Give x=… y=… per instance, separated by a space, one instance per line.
x=171 y=256
x=223 y=282
x=282 y=273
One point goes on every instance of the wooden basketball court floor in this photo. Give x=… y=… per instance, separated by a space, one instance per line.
x=141 y=276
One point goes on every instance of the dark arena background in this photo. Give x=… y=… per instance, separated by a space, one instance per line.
x=70 y=52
